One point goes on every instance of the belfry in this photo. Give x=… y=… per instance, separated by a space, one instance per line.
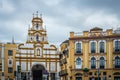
x=35 y=59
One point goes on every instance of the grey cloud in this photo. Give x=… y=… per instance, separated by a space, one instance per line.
x=60 y=16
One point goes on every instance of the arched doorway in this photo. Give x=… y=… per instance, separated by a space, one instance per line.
x=37 y=72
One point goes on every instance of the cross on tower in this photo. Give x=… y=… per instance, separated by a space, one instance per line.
x=37 y=13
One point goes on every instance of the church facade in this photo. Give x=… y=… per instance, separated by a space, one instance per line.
x=34 y=60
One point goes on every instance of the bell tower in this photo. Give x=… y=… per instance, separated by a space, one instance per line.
x=36 y=32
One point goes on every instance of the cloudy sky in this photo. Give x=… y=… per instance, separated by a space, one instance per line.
x=59 y=16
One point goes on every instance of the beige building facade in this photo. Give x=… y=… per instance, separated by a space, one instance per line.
x=91 y=55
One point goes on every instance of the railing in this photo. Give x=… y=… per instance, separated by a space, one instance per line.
x=78 y=34
x=93 y=67
x=78 y=52
x=65 y=51
x=63 y=72
x=97 y=34
x=116 y=51
x=63 y=61
x=117 y=67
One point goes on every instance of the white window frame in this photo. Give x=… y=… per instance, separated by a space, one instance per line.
x=80 y=66
x=99 y=62
x=104 y=46
x=76 y=44
x=90 y=61
x=90 y=46
x=114 y=43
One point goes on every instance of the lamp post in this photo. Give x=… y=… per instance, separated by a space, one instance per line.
x=8 y=77
x=3 y=76
x=109 y=77
x=98 y=70
x=98 y=73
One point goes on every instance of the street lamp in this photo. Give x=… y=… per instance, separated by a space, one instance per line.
x=98 y=73
x=98 y=70
x=109 y=77
x=8 y=77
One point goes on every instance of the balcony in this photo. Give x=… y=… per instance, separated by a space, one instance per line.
x=93 y=51
x=102 y=51
x=63 y=61
x=117 y=67
x=102 y=67
x=116 y=51
x=63 y=72
x=65 y=51
x=93 y=67
x=78 y=52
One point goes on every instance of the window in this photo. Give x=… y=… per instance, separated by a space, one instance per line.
x=78 y=47
x=38 y=52
x=37 y=26
x=117 y=46
x=104 y=73
x=117 y=62
x=10 y=52
x=43 y=38
x=93 y=47
x=102 y=47
x=78 y=63
x=117 y=78
x=10 y=70
x=102 y=63
x=37 y=38
x=93 y=63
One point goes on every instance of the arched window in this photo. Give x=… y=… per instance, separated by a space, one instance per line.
x=102 y=47
x=102 y=63
x=78 y=63
x=93 y=47
x=37 y=38
x=117 y=62
x=78 y=47
x=37 y=26
x=93 y=63
x=38 y=52
x=117 y=46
